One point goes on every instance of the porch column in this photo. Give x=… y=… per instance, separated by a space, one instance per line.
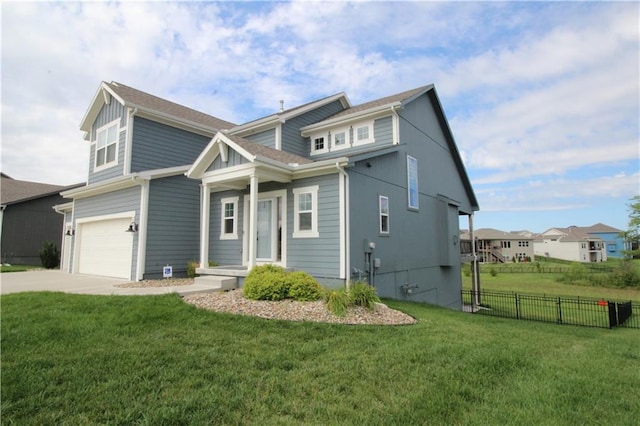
x=253 y=217
x=205 y=208
x=475 y=268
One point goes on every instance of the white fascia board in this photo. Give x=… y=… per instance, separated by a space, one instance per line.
x=229 y=174
x=205 y=158
x=369 y=114
x=314 y=105
x=110 y=185
x=94 y=107
x=162 y=173
x=257 y=126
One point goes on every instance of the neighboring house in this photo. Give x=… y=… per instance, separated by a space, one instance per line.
x=27 y=219
x=613 y=241
x=344 y=192
x=573 y=243
x=494 y=246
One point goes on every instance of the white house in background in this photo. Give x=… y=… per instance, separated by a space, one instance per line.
x=573 y=243
x=495 y=246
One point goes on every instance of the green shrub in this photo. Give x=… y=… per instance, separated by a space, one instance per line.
x=337 y=301
x=625 y=275
x=49 y=255
x=266 y=282
x=303 y=287
x=362 y=294
x=493 y=272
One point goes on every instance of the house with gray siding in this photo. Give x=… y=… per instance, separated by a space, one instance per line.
x=346 y=192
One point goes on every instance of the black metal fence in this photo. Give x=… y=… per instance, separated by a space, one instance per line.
x=586 y=312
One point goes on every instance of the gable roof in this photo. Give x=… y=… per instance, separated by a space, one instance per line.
x=16 y=191
x=151 y=104
x=495 y=234
x=601 y=228
x=570 y=234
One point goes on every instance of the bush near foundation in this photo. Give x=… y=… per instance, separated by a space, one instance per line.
x=303 y=287
x=266 y=282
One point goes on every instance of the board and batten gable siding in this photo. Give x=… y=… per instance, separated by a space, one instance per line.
x=266 y=138
x=320 y=256
x=158 y=146
x=111 y=112
x=382 y=133
x=421 y=133
x=292 y=141
x=173 y=225
x=225 y=252
x=233 y=159
x=124 y=200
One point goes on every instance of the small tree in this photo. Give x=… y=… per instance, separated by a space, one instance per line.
x=632 y=234
x=49 y=255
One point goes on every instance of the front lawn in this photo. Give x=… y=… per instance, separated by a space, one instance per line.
x=18 y=268
x=78 y=359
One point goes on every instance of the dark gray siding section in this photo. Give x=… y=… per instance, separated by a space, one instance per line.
x=383 y=131
x=292 y=141
x=267 y=138
x=233 y=159
x=225 y=252
x=26 y=225
x=109 y=113
x=318 y=256
x=420 y=249
x=124 y=200
x=173 y=230
x=157 y=146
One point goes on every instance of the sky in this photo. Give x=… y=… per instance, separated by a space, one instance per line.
x=543 y=98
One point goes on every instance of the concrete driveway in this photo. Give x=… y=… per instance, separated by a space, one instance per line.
x=54 y=280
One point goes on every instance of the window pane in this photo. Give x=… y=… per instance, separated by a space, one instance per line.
x=384 y=205
x=111 y=134
x=319 y=143
x=305 y=221
x=228 y=226
x=102 y=139
x=339 y=138
x=228 y=210
x=412 y=177
x=111 y=153
x=384 y=223
x=100 y=157
x=363 y=133
x=305 y=202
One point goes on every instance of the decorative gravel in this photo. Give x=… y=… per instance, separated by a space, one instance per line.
x=234 y=302
x=169 y=282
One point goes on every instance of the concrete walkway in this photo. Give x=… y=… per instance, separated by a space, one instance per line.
x=54 y=280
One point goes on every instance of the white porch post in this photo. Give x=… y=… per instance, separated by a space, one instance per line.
x=253 y=216
x=205 y=208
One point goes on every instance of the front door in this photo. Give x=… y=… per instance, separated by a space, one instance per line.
x=265 y=231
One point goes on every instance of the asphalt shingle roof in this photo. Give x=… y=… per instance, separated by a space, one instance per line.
x=154 y=103
x=398 y=97
x=268 y=152
x=12 y=190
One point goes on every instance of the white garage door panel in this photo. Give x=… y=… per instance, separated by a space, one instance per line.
x=105 y=248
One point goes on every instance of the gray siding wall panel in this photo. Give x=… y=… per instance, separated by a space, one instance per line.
x=157 y=146
x=225 y=252
x=292 y=141
x=109 y=113
x=124 y=200
x=267 y=138
x=173 y=230
x=317 y=256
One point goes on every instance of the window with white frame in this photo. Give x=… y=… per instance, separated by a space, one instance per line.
x=107 y=145
x=339 y=139
x=363 y=133
x=319 y=144
x=383 y=203
x=305 y=215
x=412 y=183
x=229 y=219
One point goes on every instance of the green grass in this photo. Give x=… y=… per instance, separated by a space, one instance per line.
x=18 y=268
x=73 y=359
x=547 y=284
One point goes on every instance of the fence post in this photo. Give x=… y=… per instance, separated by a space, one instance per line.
x=559 y=311
x=517 y=306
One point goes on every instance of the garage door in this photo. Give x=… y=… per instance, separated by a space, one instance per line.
x=105 y=248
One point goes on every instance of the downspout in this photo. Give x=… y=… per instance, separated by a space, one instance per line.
x=347 y=249
x=396 y=128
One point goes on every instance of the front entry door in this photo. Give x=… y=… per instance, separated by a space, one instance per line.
x=265 y=231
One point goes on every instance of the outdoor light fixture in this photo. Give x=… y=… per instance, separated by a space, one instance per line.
x=70 y=232
x=133 y=227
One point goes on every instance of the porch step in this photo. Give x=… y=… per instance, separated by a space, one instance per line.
x=217 y=283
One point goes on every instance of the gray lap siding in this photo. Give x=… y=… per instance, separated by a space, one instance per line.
x=120 y=201
x=225 y=252
x=157 y=146
x=173 y=225
x=111 y=112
